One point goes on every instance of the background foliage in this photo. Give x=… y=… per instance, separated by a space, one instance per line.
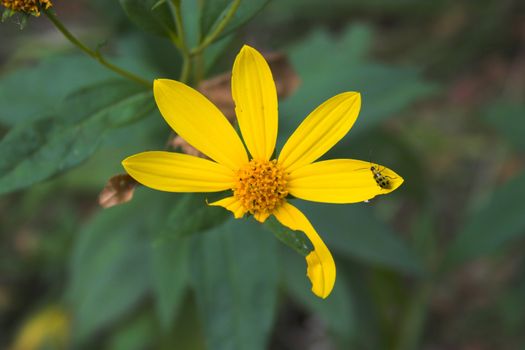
x=437 y=265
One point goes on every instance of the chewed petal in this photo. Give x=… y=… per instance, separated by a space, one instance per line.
x=177 y=172
x=314 y=271
x=232 y=204
x=321 y=130
x=199 y=122
x=321 y=266
x=255 y=97
x=340 y=181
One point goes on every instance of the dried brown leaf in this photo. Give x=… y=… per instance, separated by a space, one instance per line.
x=178 y=142
x=119 y=189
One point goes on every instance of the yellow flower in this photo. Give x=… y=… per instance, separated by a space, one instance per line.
x=49 y=327
x=31 y=7
x=259 y=184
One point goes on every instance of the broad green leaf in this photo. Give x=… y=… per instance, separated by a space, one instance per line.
x=235 y=274
x=170 y=278
x=191 y=214
x=328 y=66
x=153 y=16
x=170 y=253
x=296 y=240
x=45 y=86
x=497 y=223
x=191 y=10
x=336 y=311
x=353 y=231
x=52 y=79
x=35 y=151
x=214 y=11
x=508 y=119
x=109 y=270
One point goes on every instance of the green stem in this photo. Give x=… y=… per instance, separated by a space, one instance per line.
x=94 y=54
x=218 y=29
x=199 y=69
x=181 y=42
x=186 y=69
x=413 y=323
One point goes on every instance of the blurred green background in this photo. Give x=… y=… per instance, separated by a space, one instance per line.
x=438 y=264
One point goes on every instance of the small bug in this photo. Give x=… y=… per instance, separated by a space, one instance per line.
x=382 y=181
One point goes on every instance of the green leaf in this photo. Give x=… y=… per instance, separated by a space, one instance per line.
x=191 y=214
x=354 y=231
x=52 y=79
x=191 y=11
x=296 y=240
x=188 y=216
x=109 y=271
x=170 y=278
x=507 y=118
x=45 y=86
x=495 y=224
x=35 y=151
x=153 y=16
x=213 y=12
x=235 y=281
x=336 y=311
x=329 y=66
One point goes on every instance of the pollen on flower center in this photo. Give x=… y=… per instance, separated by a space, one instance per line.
x=261 y=186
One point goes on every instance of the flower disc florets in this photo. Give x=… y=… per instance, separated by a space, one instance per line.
x=31 y=7
x=261 y=186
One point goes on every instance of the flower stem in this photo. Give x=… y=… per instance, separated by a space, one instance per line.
x=218 y=29
x=413 y=324
x=94 y=54
x=186 y=69
x=180 y=43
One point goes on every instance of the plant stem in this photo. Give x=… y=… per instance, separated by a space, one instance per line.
x=218 y=29
x=94 y=54
x=199 y=69
x=186 y=69
x=181 y=42
x=413 y=323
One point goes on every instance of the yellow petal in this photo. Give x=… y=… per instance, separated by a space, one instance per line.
x=232 y=204
x=255 y=97
x=321 y=266
x=199 y=122
x=51 y=325
x=394 y=179
x=321 y=130
x=177 y=172
x=339 y=181
x=261 y=217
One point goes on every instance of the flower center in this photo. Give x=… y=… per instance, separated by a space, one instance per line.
x=261 y=186
x=27 y=6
